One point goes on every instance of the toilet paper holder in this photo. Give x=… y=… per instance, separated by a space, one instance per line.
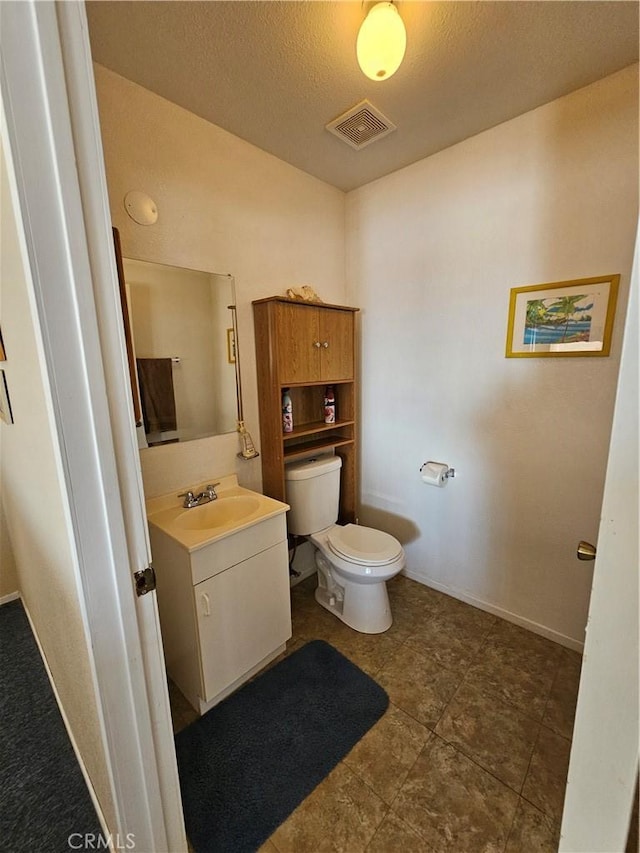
x=450 y=473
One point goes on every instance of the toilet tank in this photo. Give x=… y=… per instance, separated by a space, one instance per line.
x=313 y=493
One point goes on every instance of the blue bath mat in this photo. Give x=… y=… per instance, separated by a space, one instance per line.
x=246 y=764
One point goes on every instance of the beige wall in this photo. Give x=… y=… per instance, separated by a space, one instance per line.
x=433 y=251
x=8 y=573
x=35 y=503
x=224 y=206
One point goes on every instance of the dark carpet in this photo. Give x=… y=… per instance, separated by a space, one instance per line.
x=43 y=795
x=246 y=764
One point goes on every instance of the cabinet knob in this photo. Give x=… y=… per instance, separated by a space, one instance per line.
x=325 y=344
x=317 y=344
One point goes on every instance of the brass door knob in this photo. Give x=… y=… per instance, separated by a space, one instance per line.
x=586 y=551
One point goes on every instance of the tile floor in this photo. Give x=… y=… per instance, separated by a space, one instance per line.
x=472 y=753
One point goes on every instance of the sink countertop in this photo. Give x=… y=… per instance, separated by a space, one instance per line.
x=165 y=511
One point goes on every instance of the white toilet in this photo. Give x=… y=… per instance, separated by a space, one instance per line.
x=353 y=562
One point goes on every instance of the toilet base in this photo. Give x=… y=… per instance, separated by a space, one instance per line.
x=363 y=607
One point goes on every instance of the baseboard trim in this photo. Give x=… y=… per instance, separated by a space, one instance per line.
x=530 y=625
x=65 y=720
x=12 y=596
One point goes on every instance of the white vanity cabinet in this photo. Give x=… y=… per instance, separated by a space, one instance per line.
x=243 y=615
x=224 y=605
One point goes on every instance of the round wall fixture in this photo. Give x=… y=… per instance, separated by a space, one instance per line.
x=141 y=207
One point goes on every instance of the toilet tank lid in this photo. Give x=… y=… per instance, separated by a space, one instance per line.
x=313 y=467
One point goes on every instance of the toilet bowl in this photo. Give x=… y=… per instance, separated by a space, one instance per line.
x=354 y=563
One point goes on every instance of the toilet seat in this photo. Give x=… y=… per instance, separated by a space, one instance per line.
x=363 y=545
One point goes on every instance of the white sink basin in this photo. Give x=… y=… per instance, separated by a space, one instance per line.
x=218 y=513
x=235 y=509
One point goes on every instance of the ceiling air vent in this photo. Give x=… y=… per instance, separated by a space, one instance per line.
x=361 y=125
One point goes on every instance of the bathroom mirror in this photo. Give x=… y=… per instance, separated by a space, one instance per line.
x=181 y=345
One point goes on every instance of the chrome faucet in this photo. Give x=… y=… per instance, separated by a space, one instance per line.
x=191 y=500
x=209 y=494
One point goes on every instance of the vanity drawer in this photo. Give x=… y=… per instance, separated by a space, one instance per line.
x=213 y=559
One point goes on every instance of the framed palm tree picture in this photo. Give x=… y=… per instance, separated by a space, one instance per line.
x=564 y=318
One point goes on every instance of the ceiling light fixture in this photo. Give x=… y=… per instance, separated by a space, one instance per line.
x=382 y=40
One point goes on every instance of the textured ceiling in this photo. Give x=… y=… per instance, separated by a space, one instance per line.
x=275 y=73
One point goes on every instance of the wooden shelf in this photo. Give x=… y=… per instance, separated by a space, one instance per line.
x=305 y=347
x=326 y=443
x=317 y=383
x=286 y=299
x=315 y=426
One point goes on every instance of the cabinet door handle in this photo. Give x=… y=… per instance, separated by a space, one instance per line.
x=317 y=344
x=325 y=344
x=206 y=605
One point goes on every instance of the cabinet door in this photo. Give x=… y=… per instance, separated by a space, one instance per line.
x=336 y=344
x=244 y=614
x=298 y=348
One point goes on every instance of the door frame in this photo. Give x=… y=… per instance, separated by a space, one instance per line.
x=54 y=153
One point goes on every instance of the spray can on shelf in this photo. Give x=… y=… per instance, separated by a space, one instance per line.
x=329 y=405
x=287 y=411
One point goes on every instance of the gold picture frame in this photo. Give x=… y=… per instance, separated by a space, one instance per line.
x=562 y=318
x=5 y=405
x=3 y=355
x=231 y=346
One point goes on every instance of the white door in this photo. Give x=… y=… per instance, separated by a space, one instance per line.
x=604 y=755
x=50 y=122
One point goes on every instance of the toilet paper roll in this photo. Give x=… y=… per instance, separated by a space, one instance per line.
x=434 y=474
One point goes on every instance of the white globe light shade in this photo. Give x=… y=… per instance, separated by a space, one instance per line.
x=382 y=41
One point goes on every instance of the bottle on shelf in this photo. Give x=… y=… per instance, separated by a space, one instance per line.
x=329 y=405
x=287 y=411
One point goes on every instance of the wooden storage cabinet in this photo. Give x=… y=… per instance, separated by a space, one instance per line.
x=314 y=344
x=305 y=347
